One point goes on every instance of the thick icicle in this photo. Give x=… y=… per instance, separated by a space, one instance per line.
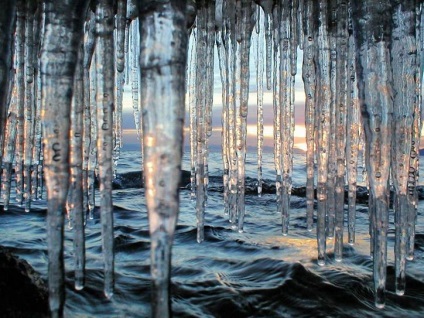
x=135 y=77
x=37 y=168
x=29 y=102
x=267 y=6
x=88 y=141
x=75 y=193
x=121 y=22
x=230 y=101
x=415 y=142
x=322 y=105
x=105 y=103
x=90 y=110
x=331 y=177
x=404 y=63
x=277 y=106
x=7 y=158
x=342 y=38
x=373 y=24
x=286 y=105
x=246 y=18
x=309 y=80
x=7 y=18
x=63 y=30
x=163 y=92
x=209 y=61
x=20 y=84
x=416 y=134
x=221 y=44
x=352 y=138
x=120 y=78
x=92 y=163
x=204 y=80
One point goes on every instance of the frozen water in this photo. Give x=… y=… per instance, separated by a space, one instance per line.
x=62 y=77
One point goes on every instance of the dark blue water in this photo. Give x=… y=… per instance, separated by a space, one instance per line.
x=258 y=273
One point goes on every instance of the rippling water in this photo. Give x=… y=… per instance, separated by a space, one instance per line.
x=258 y=273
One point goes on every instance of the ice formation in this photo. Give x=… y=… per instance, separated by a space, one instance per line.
x=63 y=65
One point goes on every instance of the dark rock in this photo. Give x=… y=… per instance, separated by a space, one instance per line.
x=22 y=292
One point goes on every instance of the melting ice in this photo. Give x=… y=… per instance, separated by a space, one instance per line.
x=64 y=65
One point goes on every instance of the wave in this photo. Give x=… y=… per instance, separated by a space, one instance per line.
x=134 y=179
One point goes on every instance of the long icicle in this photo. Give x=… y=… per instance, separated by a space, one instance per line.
x=120 y=79
x=247 y=23
x=322 y=105
x=287 y=72
x=57 y=71
x=191 y=76
x=260 y=41
x=375 y=92
x=7 y=20
x=404 y=63
x=7 y=158
x=415 y=143
x=353 y=130
x=331 y=178
x=105 y=103
x=75 y=192
x=20 y=84
x=163 y=93
x=309 y=80
x=29 y=107
x=342 y=38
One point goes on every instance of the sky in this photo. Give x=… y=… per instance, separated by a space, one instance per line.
x=130 y=135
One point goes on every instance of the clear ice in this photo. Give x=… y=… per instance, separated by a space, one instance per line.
x=63 y=67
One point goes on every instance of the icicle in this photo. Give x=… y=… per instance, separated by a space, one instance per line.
x=105 y=103
x=204 y=80
x=92 y=163
x=7 y=18
x=86 y=138
x=75 y=193
x=267 y=6
x=308 y=74
x=375 y=92
x=209 y=64
x=300 y=23
x=121 y=15
x=163 y=92
x=36 y=150
x=20 y=83
x=89 y=115
x=29 y=102
x=353 y=130
x=246 y=20
x=277 y=107
x=120 y=79
x=322 y=105
x=404 y=63
x=331 y=178
x=8 y=155
x=135 y=78
x=260 y=100
x=340 y=124
x=286 y=105
x=230 y=101
x=57 y=71
x=294 y=21
x=191 y=77
x=415 y=144
x=222 y=43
